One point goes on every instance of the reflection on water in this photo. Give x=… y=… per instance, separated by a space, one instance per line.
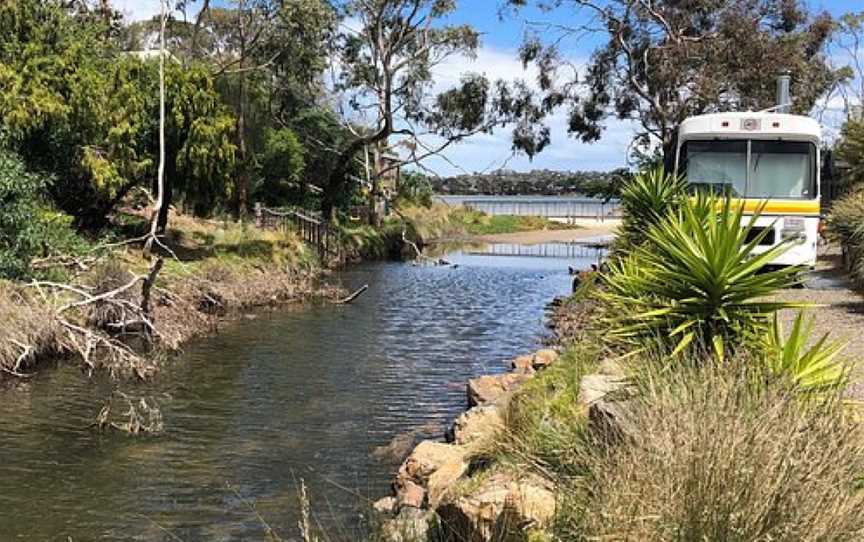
x=309 y=393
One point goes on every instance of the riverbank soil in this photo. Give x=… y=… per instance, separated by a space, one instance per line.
x=584 y=230
x=840 y=311
x=213 y=270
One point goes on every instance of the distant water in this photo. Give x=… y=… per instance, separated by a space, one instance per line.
x=306 y=393
x=548 y=206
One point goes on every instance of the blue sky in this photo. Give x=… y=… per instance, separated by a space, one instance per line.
x=501 y=37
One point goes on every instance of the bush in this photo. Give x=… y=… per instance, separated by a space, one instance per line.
x=846 y=221
x=28 y=228
x=280 y=169
x=717 y=456
x=696 y=280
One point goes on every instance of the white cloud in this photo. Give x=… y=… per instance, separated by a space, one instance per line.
x=139 y=10
x=486 y=152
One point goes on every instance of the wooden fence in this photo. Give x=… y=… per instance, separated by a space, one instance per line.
x=312 y=229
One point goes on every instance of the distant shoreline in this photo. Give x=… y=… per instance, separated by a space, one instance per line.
x=588 y=229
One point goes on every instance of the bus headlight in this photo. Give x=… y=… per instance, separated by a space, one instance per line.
x=793 y=228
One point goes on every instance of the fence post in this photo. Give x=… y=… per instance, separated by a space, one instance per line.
x=259 y=215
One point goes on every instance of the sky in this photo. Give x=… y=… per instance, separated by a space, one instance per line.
x=501 y=37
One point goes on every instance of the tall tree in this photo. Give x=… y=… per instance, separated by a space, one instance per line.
x=663 y=60
x=386 y=81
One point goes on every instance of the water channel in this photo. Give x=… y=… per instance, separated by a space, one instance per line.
x=308 y=393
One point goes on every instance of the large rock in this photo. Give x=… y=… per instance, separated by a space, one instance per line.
x=428 y=457
x=523 y=364
x=478 y=424
x=411 y=525
x=489 y=389
x=503 y=508
x=604 y=398
x=530 y=363
x=409 y=494
x=529 y=505
x=442 y=481
x=544 y=358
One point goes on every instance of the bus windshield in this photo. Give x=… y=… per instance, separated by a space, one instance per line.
x=775 y=169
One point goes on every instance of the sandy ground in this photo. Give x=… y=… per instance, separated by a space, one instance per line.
x=588 y=229
x=841 y=312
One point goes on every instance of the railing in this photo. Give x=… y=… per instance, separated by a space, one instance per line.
x=312 y=229
x=545 y=206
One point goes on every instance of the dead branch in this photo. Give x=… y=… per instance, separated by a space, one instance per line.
x=353 y=296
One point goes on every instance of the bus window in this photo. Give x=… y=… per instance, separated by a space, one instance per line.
x=782 y=169
x=718 y=166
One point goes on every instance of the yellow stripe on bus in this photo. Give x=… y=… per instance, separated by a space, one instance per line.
x=781 y=207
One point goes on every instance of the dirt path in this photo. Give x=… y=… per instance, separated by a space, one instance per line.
x=587 y=229
x=841 y=312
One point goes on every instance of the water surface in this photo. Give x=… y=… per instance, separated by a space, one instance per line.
x=306 y=393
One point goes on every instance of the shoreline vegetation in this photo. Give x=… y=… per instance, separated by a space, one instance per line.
x=612 y=431
x=215 y=271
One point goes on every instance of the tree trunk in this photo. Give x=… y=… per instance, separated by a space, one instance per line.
x=242 y=178
x=670 y=150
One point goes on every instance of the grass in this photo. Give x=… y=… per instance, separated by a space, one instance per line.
x=719 y=456
x=478 y=223
x=28 y=330
x=214 y=269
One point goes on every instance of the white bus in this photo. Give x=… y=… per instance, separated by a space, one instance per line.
x=760 y=158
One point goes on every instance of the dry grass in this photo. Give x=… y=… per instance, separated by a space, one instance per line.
x=215 y=270
x=28 y=330
x=716 y=457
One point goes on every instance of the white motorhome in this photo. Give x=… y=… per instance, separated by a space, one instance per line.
x=761 y=158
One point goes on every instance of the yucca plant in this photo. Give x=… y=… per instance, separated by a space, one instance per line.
x=813 y=369
x=697 y=279
x=646 y=199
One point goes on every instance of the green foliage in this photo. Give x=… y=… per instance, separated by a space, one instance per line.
x=539 y=182
x=546 y=424
x=850 y=150
x=846 y=221
x=88 y=113
x=280 y=169
x=646 y=199
x=662 y=61
x=697 y=280
x=812 y=369
x=414 y=189
x=27 y=227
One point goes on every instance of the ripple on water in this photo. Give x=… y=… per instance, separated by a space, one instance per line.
x=298 y=394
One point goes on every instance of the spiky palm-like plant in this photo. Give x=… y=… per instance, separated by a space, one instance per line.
x=813 y=369
x=646 y=199
x=698 y=279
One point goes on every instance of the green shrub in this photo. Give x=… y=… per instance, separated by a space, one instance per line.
x=645 y=199
x=715 y=455
x=28 y=227
x=697 y=280
x=846 y=221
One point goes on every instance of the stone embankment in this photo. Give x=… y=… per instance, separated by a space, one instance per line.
x=439 y=493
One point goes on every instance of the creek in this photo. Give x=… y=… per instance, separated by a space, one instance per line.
x=309 y=393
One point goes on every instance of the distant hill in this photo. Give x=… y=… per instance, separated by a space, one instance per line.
x=539 y=182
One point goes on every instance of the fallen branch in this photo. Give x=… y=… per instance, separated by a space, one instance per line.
x=353 y=296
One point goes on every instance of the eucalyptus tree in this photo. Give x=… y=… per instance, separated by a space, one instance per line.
x=386 y=54
x=660 y=61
